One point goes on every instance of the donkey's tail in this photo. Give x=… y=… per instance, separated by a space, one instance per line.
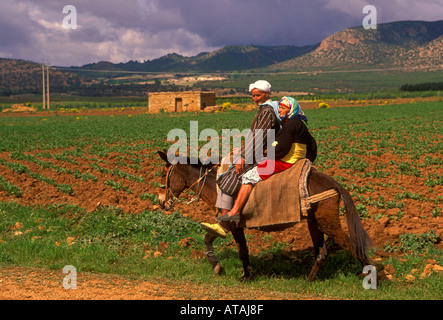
x=360 y=241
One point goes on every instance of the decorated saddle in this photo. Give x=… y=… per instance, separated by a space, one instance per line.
x=281 y=200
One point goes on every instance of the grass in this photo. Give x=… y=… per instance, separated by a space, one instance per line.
x=108 y=241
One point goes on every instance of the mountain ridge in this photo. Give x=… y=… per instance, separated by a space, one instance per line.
x=228 y=58
x=398 y=43
x=395 y=44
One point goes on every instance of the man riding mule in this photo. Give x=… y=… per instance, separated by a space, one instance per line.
x=229 y=182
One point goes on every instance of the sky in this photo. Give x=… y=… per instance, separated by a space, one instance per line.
x=119 y=31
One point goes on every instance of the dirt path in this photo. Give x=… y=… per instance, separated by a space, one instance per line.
x=19 y=283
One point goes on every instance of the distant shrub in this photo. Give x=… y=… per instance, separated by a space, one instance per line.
x=427 y=86
x=226 y=106
x=323 y=105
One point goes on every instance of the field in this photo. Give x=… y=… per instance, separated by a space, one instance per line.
x=341 y=82
x=81 y=189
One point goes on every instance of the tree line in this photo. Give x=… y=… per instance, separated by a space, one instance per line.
x=426 y=86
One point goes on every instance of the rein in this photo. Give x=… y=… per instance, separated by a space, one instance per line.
x=174 y=198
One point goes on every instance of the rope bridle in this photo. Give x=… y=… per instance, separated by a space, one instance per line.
x=199 y=189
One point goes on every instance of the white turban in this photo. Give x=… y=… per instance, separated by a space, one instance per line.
x=261 y=85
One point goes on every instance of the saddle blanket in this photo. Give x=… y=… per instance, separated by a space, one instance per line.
x=279 y=201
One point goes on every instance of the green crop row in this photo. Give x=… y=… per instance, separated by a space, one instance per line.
x=46 y=164
x=22 y=169
x=10 y=188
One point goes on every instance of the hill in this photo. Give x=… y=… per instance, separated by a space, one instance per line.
x=411 y=44
x=21 y=76
x=229 y=58
x=395 y=44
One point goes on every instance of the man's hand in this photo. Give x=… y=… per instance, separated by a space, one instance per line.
x=240 y=166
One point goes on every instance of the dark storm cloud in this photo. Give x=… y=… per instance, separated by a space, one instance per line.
x=15 y=25
x=296 y=22
x=119 y=31
x=262 y=22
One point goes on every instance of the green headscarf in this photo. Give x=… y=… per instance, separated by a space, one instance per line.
x=295 y=111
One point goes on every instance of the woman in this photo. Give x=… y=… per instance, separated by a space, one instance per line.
x=293 y=143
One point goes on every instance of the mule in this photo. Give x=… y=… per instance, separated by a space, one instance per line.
x=322 y=219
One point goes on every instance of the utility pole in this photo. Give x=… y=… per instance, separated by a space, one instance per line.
x=45 y=66
x=44 y=91
x=47 y=74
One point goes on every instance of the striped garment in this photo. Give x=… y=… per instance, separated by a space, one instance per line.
x=264 y=120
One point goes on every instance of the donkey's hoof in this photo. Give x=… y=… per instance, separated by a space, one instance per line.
x=310 y=279
x=218 y=268
x=245 y=278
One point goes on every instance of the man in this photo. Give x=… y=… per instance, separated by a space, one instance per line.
x=229 y=182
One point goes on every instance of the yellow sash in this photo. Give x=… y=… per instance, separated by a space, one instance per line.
x=297 y=152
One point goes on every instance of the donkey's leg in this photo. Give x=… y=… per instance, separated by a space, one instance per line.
x=243 y=252
x=327 y=212
x=319 y=247
x=328 y=221
x=215 y=263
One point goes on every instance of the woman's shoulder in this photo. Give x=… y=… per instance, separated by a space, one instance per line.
x=293 y=122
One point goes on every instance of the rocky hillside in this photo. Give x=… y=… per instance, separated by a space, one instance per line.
x=411 y=44
x=26 y=76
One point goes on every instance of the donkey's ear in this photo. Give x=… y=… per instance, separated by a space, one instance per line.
x=163 y=155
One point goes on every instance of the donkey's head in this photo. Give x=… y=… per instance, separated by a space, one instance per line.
x=173 y=180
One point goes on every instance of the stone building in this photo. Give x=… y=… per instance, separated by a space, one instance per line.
x=180 y=101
